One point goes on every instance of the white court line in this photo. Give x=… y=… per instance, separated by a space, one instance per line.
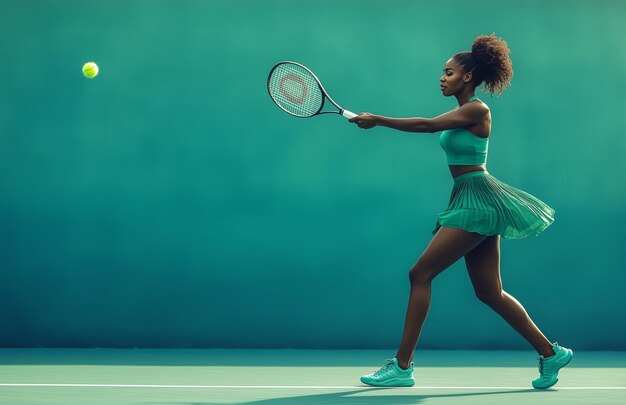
x=297 y=387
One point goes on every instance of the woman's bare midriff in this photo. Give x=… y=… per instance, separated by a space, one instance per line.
x=458 y=170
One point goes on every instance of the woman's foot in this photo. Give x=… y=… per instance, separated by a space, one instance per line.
x=549 y=366
x=390 y=375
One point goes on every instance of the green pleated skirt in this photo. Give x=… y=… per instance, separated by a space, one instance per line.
x=481 y=203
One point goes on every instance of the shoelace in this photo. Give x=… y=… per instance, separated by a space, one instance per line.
x=388 y=364
x=545 y=369
x=542 y=365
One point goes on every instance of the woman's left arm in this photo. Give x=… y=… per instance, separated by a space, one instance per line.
x=468 y=114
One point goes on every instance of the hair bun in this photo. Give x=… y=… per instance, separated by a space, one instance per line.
x=492 y=57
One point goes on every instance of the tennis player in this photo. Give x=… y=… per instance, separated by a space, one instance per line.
x=481 y=210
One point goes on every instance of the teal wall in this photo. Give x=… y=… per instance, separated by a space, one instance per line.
x=170 y=203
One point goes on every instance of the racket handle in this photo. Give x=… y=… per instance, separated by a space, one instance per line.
x=348 y=114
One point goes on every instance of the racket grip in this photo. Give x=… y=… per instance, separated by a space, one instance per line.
x=348 y=114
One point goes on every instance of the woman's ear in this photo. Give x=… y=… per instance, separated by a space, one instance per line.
x=468 y=77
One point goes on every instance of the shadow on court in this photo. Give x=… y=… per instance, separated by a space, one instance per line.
x=346 y=398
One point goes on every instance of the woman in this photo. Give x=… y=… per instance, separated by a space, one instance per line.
x=480 y=211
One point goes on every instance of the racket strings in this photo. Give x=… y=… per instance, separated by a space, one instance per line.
x=296 y=90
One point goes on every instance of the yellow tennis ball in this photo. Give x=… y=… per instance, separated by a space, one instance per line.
x=90 y=70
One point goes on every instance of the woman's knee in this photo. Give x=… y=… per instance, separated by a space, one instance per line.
x=422 y=274
x=489 y=297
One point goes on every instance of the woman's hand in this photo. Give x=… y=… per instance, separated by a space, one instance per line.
x=365 y=120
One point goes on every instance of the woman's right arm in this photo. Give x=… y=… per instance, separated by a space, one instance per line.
x=468 y=114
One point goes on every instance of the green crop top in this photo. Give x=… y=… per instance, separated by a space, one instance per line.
x=463 y=147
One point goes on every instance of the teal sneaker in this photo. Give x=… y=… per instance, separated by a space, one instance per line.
x=390 y=375
x=549 y=366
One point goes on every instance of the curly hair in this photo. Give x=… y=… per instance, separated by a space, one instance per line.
x=489 y=62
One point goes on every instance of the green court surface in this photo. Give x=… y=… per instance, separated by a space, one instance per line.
x=214 y=376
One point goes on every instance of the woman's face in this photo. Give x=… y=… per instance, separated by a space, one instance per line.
x=453 y=79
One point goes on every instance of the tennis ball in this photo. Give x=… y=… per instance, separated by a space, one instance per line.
x=90 y=70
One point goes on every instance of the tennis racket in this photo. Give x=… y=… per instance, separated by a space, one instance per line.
x=297 y=91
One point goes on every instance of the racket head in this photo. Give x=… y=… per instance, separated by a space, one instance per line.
x=295 y=89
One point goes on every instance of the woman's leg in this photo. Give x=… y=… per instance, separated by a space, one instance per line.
x=483 y=267
x=446 y=247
